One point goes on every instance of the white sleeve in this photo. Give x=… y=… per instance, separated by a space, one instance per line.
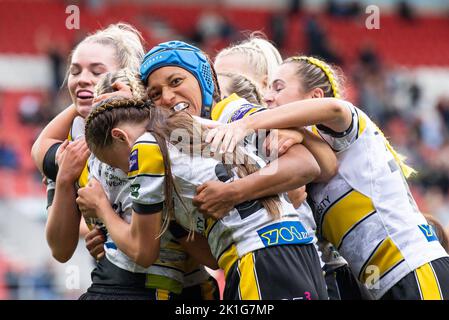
x=147 y=175
x=340 y=141
x=77 y=129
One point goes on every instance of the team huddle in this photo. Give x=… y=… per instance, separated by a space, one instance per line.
x=250 y=164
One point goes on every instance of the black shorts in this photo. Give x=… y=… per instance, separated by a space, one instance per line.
x=208 y=290
x=290 y=272
x=100 y=292
x=428 y=282
x=343 y=285
x=110 y=282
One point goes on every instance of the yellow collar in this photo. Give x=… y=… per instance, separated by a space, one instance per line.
x=220 y=106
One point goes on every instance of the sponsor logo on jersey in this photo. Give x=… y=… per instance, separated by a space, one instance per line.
x=135 y=190
x=133 y=161
x=287 y=232
x=429 y=232
x=110 y=245
x=240 y=113
x=200 y=224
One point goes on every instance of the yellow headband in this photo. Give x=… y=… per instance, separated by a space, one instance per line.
x=325 y=68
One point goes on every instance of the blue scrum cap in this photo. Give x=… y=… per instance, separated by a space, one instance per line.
x=188 y=57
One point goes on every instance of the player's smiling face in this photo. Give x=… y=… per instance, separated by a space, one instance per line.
x=89 y=62
x=171 y=86
x=285 y=87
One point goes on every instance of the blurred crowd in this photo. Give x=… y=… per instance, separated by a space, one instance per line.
x=18 y=282
x=419 y=131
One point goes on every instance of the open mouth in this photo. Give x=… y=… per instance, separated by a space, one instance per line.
x=180 y=106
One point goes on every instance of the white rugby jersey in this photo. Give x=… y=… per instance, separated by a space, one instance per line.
x=77 y=129
x=172 y=258
x=246 y=228
x=367 y=212
x=234 y=108
x=172 y=263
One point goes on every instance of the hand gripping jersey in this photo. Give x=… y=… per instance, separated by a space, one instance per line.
x=76 y=132
x=367 y=212
x=234 y=108
x=168 y=272
x=248 y=227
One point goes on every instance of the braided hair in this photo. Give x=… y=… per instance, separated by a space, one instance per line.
x=107 y=115
x=131 y=79
x=162 y=123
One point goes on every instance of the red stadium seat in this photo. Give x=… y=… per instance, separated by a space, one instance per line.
x=19 y=31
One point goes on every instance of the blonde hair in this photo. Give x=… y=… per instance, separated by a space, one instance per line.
x=399 y=158
x=126 y=41
x=129 y=78
x=261 y=55
x=243 y=87
x=315 y=73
